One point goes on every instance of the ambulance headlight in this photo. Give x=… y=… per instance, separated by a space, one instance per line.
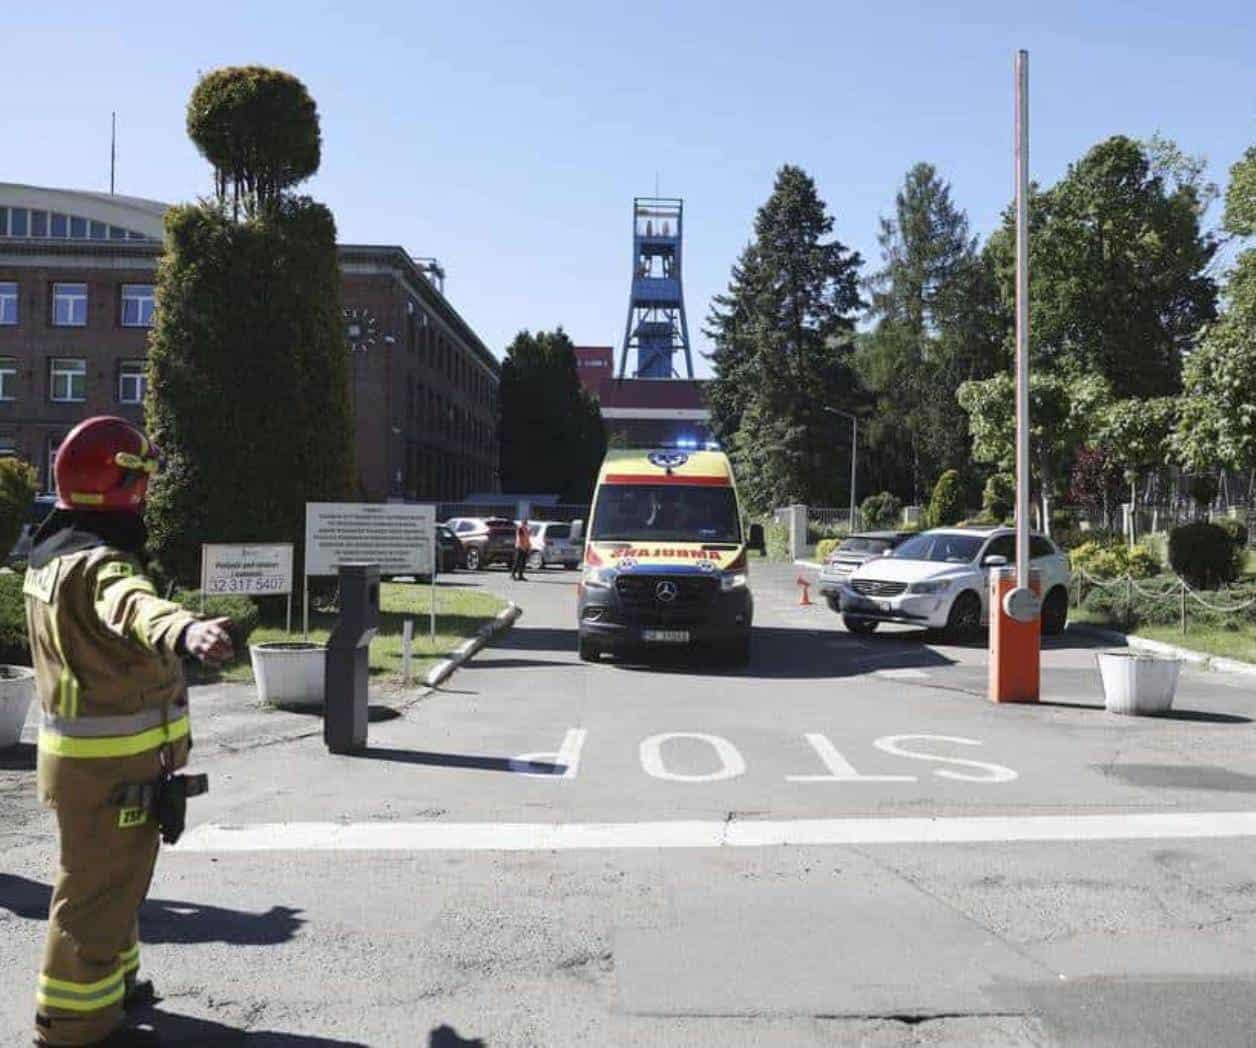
x=599 y=578
x=732 y=580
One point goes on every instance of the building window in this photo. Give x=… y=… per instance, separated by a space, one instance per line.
x=69 y=305
x=78 y=228
x=132 y=382
x=68 y=380
x=60 y=225
x=8 y=303
x=138 y=303
x=100 y=230
x=8 y=446
x=17 y=222
x=8 y=378
x=39 y=223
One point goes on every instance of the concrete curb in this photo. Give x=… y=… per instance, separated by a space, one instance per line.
x=504 y=619
x=1155 y=647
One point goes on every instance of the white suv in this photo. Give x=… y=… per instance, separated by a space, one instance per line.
x=940 y=579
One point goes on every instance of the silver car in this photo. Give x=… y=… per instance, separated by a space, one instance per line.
x=552 y=543
x=851 y=553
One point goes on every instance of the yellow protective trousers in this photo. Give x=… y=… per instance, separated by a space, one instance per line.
x=92 y=953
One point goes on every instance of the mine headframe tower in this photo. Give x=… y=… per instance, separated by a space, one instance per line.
x=656 y=329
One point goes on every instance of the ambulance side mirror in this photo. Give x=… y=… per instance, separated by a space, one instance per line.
x=757 y=541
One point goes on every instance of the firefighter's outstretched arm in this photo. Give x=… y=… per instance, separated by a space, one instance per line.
x=127 y=603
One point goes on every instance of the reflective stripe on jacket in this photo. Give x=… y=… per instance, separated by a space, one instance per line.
x=111 y=688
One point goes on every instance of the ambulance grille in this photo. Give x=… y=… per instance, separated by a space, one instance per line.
x=640 y=592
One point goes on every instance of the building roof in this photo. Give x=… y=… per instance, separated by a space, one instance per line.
x=677 y=398
x=134 y=214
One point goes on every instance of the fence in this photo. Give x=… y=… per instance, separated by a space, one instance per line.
x=831 y=518
x=1179 y=590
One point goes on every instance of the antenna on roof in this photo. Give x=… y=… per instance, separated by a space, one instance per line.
x=113 y=148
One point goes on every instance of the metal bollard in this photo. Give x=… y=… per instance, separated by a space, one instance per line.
x=349 y=659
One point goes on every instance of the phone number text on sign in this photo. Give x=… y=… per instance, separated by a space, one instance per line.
x=247 y=570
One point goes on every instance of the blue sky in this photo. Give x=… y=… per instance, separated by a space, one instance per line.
x=508 y=139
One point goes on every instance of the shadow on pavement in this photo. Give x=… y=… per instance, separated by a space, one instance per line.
x=1182 y=777
x=1194 y=716
x=447 y=1037
x=512 y=664
x=460 y=760
x=184 y=1029
x=536 y=638
x=18 y=758
x=168 y=920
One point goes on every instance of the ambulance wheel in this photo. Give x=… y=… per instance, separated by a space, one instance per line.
x=589 y=651
x=860 y=626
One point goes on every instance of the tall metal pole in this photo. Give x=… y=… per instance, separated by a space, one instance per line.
x=854 y=458
x=1022 y=320
x=113 y=148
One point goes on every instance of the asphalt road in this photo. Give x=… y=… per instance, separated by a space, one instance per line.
x=842 y=843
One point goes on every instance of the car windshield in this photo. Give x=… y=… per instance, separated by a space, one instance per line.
x=941 y=547
x=665 y=513
x=859 y=544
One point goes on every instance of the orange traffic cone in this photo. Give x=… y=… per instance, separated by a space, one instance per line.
x=804 y=599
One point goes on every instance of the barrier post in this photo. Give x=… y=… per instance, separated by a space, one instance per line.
x=1015 y=645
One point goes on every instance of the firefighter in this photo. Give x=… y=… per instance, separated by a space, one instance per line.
x=106 y=651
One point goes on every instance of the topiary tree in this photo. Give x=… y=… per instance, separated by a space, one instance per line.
x=18 y=484
x=946 y=507
x=880 y=511
x=998 y=498
x=248 y=382
x=1203 y=554
x=259 y=129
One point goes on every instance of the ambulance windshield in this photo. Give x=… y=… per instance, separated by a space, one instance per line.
x=666 y=513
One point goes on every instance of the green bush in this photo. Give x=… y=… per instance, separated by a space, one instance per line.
x=1236 y=529
x=776 y=535
x=1204 y=489
x=824 y=547
x=17 y=490
x=1122 y=607
x=946 y=507
x=243 y=612
x=1204 y=554
x=998 y=498
x=880 y=511
x=15 y=649
x=1114 y=560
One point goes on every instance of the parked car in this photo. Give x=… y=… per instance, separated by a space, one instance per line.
x=484 y=540
x=36 y=515
x=448 y=549
x=552 y=544
x=853 y=551
x=939 y=579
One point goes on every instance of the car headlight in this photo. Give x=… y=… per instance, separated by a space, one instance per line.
x=928 y=587
x=732 y=580
x=599 y=578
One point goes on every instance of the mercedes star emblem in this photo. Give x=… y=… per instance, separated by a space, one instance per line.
x=666 y=591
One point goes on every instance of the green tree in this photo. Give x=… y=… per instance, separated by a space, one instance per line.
x=1063 y=413
x=946 y=506
x=1137 y=433
x=1118 y=268
x=259 y=129
x=18 y=484
x=551 y=433
x=1217 y=422
x=936 y=311
x=783 y=335
x=248 y=387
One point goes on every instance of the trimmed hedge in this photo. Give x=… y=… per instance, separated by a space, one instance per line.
x=1206 y=554
x=15 y=641
x=1110 y=561
x=882 y=510
x=946 y=507
x=824 y=547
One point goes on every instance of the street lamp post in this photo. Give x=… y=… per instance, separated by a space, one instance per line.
x=854 y=455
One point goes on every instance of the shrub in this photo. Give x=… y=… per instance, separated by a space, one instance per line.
x=998 y=499
x=819 y=532
x=776 y=535
x=1204 y=554
x=1114 y=560
x=15 y=649
x=17 y=490
x=1236 y=529
x=946 y=507
x=243 y=612
x=824 y=547
x=880 y=511
x=1204 y=489
x=1122 y=607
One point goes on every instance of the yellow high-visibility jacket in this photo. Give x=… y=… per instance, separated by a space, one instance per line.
x=110 y=681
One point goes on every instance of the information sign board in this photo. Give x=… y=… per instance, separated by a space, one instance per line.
x=399 y=537
x=251 y=571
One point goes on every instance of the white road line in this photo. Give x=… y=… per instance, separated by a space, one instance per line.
x=523 y=836
x=904 y=674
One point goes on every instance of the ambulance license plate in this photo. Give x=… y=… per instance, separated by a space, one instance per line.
x=665 y=636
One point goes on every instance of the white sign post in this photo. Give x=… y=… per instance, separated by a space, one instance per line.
x=263 y=570
x=398 y=536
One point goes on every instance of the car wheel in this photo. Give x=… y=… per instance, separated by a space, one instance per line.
x=473 y=559
x=536 y=561
x=860 y=626
x=570 y=565
x=835 y=604
x=589 y=651
x=1055 y=612
x=964 y=619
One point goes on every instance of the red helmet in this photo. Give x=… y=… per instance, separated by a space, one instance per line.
x=104 y=464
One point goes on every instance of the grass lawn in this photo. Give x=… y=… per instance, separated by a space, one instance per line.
x=1236 y=643
x=460 y=611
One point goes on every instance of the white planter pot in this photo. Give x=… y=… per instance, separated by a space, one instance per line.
x=291 y=674
x=17 y=692
x=1136 y=683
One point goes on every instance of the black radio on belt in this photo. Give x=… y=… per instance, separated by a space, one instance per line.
x=165 y=800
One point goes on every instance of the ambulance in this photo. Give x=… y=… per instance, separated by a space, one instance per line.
x=666 y=558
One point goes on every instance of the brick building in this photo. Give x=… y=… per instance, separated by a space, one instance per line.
x=595 y=366
x=77 y=271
